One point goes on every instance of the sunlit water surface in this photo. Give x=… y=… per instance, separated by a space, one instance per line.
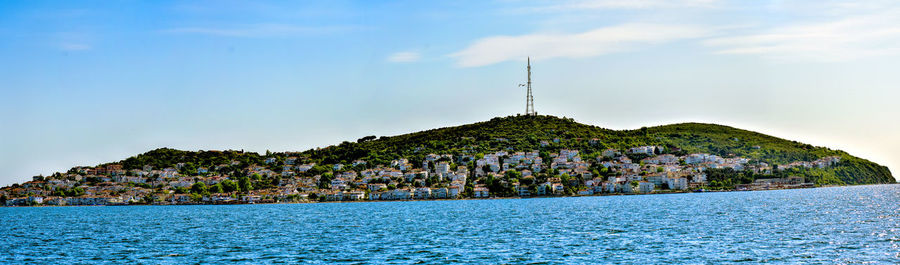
x=824 y=225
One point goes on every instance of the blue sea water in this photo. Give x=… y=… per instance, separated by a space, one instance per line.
x=859 y=224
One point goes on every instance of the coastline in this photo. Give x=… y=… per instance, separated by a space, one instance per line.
x=456 y=199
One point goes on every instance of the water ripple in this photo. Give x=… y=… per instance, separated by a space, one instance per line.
x=826 y=225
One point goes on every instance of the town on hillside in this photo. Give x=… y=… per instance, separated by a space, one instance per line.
x=287 y=178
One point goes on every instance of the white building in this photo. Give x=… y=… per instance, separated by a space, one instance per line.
x=677 y=183
x=481 y=192
x=646 y=187
x=423 y=193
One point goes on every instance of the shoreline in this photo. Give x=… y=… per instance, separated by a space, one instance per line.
x=457 y=199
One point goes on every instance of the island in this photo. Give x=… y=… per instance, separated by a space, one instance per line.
x=514 y=156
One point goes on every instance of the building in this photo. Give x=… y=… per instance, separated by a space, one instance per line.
x=524 y=191
x=677 y=183
x=646 y=187
x=439 y=193
x=423 y=193
x=481 y=192
x=354 y=195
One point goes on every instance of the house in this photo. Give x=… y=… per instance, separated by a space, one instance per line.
x=610 y=153
x=218 y=198
x=645 y=187
x=55 y=201
x=338 y=184
x=625 y=188
x=558 y=188
x=598 y=189
x=646 y=150
x=666 y=159
x=439 y=193
x=181 y=184
x=270 y=160
x=304 y=168
x=354 y=195
x=251 y=198
x=35 y=200
x=442 y=168
x=376 y=186
x=657 y=180
x=180 y=198
x=698 y=178
x=544 y=188
x=423 y=193
x=334 y=196
x=481 y=192
x=397 y=194
x=453 y=191
x=524 y=191
x=677 y=183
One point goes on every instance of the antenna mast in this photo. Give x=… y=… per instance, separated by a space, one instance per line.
x=529 y=104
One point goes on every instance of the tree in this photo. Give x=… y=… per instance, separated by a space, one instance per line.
x=366 y=139
x=199 y=188
x=149 y=198
x=229 y=186
x=513 y=174
x=275 y=181
x=181 y=190
x=244 y=184
x=318 y=170
x=74 y=192
x=325 y=180
x=217 y=188
x=564 y=178
x=3 y=199
x=188 y=169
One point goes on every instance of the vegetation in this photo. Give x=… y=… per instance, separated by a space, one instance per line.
x=543 y=133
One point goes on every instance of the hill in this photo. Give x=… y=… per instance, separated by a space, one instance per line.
x=521 y=133
x=516 y=156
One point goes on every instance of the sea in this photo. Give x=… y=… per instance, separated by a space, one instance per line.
x=855 y=224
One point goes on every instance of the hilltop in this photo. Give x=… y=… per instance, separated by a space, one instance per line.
x=527 y=132
x=502 y=157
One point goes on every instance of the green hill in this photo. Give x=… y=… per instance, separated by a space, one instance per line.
x=523 y=133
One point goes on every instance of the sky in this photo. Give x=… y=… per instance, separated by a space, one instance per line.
x=89 y=82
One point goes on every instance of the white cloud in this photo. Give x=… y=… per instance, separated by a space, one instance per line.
x=577 y=5
x=838 y=39
x=404 y=57
x=71 y=41
x=74 y=47
x=596 y=42
x=258 y=30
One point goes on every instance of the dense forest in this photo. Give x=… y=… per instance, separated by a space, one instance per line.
x=550 y=134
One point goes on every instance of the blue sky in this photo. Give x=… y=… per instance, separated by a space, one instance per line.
x=87 y=82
